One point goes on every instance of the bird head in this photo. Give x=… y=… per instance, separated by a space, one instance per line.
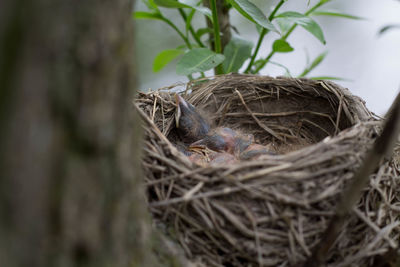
x=220 y=139
x=188 y=120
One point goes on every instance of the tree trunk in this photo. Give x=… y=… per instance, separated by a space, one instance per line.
x=69 y=176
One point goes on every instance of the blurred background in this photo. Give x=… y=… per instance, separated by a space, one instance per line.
x=370 y=63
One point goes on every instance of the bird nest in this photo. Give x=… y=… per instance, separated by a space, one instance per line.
x=274 y=210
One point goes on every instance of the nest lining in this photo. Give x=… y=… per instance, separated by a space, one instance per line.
x=271 y=211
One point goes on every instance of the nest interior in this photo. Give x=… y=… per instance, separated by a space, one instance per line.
x=271 y=211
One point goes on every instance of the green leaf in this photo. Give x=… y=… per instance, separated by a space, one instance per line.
x=335 y=14
x=258 y=62
x=252 y=13
x=170 y=4
x=184 y=4
x=281 y=46
x=284 y=25
x=163 y=58
x=318 y=60
x=236 y=52
x=181 y=47
x=198 y=60
x=388 y=27
x=304 y=21
x=147 y=15
x=190 y=2
x=204 y=10
x=189 y=20
x=259 y=28
x=150 y=5
x=200 y=32
x=194 y=5
x=287 y=71
x=314 y=63
x=331 y=78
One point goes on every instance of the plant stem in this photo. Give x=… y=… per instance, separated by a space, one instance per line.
x=265 y=61
x=261 y=37
x=217 y=37
x=186 y=40
x=195 y=37
x=273 y=52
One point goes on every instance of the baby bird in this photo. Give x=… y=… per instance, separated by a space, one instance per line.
x=240 y=145
x=191 y=125
x=225 y=139
x=221 y=145
x=219 y=139
x=255 y=151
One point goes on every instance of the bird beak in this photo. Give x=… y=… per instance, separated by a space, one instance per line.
x=178 y=111
x=199 y=144
x=182 y=107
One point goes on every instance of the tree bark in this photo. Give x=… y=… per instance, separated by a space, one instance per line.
x=69 y=161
